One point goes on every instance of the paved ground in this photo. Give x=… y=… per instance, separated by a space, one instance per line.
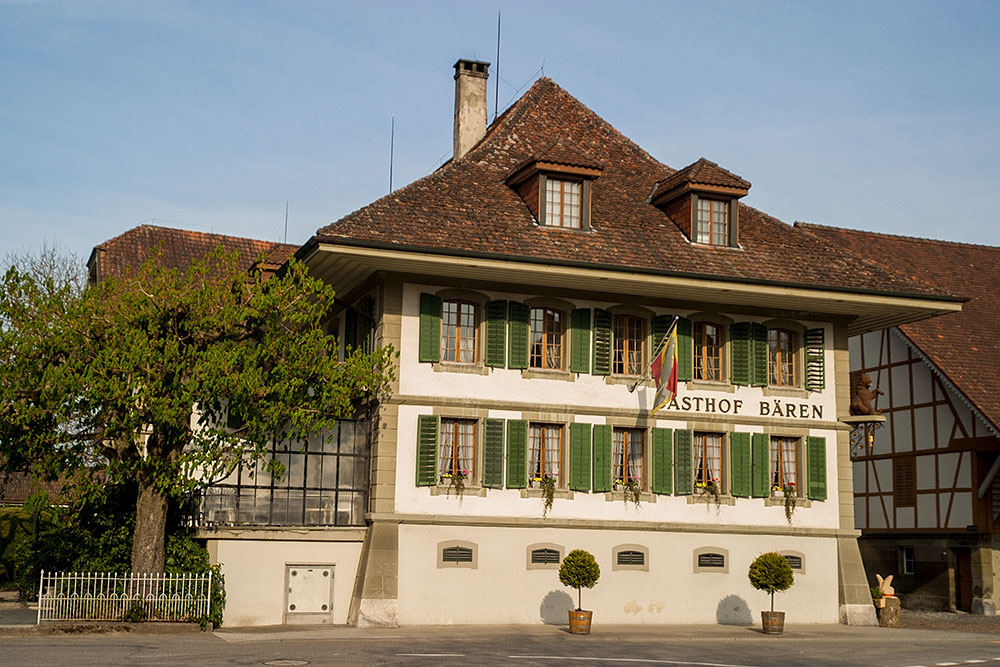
x=927 y=638
x=943 y=620
x=698 y=645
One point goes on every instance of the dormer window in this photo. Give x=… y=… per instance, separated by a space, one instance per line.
x=555 y=185
x=563 y=203
x=712 y=222
x=703 y=201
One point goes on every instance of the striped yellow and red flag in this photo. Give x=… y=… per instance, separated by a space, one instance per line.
x=664 y=370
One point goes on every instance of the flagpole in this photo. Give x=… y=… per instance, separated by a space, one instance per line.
x=656 y=353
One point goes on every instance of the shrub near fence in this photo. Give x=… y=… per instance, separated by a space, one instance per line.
x=110 y=596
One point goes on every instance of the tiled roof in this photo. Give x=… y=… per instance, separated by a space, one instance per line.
x=702 y=172
x=465 y=206
x=560 y=152
x=17 y=487
x=964 y=345
x=178 y=248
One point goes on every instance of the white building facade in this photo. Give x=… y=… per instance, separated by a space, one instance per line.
x=526 y=285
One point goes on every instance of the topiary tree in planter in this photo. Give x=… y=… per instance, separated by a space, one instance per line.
x=771 y=573
x=579 y=570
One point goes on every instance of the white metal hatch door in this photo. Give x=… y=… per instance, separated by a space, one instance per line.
x=309 y=589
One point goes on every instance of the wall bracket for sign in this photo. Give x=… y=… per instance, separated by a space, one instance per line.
x=863 y=429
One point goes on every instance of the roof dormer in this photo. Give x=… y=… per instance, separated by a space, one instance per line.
x=702 y=199
x=555 y=185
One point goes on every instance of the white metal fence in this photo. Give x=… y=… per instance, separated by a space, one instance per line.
x=111 y=596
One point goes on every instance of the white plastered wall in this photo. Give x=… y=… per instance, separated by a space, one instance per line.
x=507 y=385
x=255 y=576
x=502 y=384
x=502 y=590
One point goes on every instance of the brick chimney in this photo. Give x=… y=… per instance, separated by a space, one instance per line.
x=470 y=104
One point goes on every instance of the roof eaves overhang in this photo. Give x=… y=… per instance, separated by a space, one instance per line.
x=346 y=263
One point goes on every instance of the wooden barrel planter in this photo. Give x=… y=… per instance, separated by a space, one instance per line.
x=579 y=621
x=772 y=622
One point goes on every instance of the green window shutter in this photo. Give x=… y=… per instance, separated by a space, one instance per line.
x=685 y=350
x=427 y=441
x=683 y=477
x=350 y=331
x=493 y=453
x=739 y=463
x=518 y=335
x=430 y=328
x=761 y=466
x=602 y=342
x=602 y=458
x=663 y=469
x=579 y=457
x=816 y=467
x=517 y=453
x=815 y=364
x=661 y=325
x=759 y=355
x=739 y=353
x=496 y=334
x=579 y=358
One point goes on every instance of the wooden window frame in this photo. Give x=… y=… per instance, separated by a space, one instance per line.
x=778 y=446
x=549 y=216
x=452 y=427
x=702 y=351
x=537 y=466
x=550 y=330
x=618 y=464
x=624 y=344
x=459 y=336
x=907 y=560
x=711 y=233
x=776 y=360
x=699 y=448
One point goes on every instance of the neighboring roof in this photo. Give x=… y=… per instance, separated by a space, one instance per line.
x=702 y=172
x=178 y=248
x=17 y=487
x=465 y=207
x=963 y=345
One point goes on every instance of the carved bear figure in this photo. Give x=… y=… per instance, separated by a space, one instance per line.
x=862 y=395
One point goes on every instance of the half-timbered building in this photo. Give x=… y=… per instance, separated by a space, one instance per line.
x=927 y=489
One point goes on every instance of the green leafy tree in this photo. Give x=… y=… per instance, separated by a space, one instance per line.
x=771 y=573
x=131 y=380
x=579 y=570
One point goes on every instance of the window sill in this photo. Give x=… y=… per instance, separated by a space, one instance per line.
x=468 y=490
x=545 y=374
x=708 y=499
x=779 y=501
x=709 y=385
x=619 y=497
x=792 y=392
x=532 y=492
x=582 y=229
x=454 y=367
x=715 y=246
x=628 y=380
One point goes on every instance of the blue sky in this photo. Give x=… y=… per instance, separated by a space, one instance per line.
x=211 y=115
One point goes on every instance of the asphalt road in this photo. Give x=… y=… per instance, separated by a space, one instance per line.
x=708 y=646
